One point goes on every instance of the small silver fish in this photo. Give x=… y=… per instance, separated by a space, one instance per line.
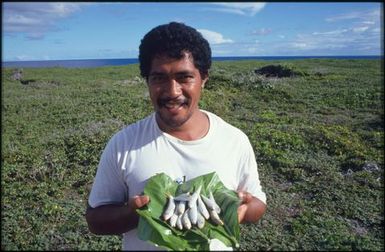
x=209 y=203
x=193 y=214
x=180 y=207
x=170 y=208
x=216 y=207
x=215 y=217
x=200 y=221
x=173 y=219
x=185 y=220
x=179 y=222
x=183 y=197
x=194 y=197
x=202 y=208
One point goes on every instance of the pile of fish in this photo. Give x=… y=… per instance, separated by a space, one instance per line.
x=186 y=210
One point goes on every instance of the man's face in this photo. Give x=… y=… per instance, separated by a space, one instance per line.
x=175 y=88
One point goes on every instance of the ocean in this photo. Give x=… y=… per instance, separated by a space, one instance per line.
x=90 y=63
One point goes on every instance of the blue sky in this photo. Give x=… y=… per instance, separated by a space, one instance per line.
x=96 y=30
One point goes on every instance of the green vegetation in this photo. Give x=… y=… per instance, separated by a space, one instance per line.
x=318 y=138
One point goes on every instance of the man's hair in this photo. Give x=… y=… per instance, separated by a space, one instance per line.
x=173 y=40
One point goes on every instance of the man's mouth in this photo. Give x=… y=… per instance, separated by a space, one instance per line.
x=172 y=104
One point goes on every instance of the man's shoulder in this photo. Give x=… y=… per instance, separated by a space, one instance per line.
x=133 y=130
x=137 y=125
x=225 y=127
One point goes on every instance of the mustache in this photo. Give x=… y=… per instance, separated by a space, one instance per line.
x=164 y=101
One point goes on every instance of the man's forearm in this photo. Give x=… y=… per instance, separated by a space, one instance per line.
x=111 y=219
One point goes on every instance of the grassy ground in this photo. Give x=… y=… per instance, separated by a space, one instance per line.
x=318 y=139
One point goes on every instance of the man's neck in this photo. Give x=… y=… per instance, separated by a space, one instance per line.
x=195 y=128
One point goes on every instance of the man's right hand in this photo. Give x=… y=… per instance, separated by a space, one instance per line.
x=139 y=201
x=115 y=219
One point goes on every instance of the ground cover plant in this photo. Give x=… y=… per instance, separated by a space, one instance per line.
x=318 y=137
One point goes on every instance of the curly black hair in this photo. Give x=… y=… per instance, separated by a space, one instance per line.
x=173 y=40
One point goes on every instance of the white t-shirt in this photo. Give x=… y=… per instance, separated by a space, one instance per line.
x=141 y=150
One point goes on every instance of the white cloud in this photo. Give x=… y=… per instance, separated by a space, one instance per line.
x=300 y=45
x=368 y=22
x=328 y=33
x=346 y=16
x=23 y=57
x=261 y=32
x=351 y=39
x=250 y=48
x=356 y=33
x=214 y=38
x=361 y=32
x=360 y=29
x=35 y=19
x=342 y=32
x=246 y=9
x=367 y=16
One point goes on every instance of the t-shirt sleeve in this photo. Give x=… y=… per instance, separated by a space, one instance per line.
x=109 y=186
x=249 y=177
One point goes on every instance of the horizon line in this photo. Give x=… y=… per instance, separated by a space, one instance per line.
x=265 y=56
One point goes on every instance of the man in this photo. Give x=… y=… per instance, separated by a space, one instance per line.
x=178 y=139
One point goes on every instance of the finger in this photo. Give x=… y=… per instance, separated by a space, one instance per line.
x=140 y=201
x=245 y=196
x=242 y=209
x=241 y=195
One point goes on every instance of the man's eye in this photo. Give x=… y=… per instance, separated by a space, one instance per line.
x=157 y=78
x=185 y=78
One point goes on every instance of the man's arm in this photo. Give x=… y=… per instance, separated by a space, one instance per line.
x=115 y=219
x=251 y=208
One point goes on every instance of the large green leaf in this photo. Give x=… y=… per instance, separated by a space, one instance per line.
x=153 y=229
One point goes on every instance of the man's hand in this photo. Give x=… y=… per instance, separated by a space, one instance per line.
x=139 y=201
x=251 y=208
x=115 y=219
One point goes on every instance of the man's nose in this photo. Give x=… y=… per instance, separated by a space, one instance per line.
x=172 y=87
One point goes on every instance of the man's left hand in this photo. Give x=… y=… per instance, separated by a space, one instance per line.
x=251 y=208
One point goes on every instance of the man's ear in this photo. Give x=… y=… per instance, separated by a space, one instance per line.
x=204 y=81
